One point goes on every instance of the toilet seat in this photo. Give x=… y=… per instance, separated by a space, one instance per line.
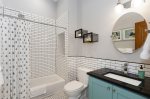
x=73 y=86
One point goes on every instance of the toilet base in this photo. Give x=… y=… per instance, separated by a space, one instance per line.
x=74 y=97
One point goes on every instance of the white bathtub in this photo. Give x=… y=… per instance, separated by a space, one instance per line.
x=47 y=85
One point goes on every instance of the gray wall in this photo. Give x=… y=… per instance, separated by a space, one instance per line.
x=45 y=8
x=72 y=6
x=99 y=16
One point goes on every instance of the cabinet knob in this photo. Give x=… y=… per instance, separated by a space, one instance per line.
x=108 y=88
x=114 y=90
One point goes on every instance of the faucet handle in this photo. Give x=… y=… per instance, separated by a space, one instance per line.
x=125 y=68
x=126 y=64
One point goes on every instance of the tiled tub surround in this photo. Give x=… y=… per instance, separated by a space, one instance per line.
x=61 y=59
x=95 y=63
x=42 y=49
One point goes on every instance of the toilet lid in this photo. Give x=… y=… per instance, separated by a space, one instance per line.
x=73 y=86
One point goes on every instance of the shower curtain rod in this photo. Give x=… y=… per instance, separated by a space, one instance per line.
x=27 y=19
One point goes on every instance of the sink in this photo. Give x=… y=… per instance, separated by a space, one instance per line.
x=124 y=79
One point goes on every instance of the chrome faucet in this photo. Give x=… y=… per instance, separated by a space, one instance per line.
x=125 y=68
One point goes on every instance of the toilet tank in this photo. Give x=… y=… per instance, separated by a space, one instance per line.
x=82 y=74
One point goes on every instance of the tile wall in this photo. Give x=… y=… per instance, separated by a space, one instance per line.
x=61 y=59
x=42 y=47
x=75 y=62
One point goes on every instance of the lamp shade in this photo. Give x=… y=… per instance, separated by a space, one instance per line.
x=137 y=3
x=146 y=49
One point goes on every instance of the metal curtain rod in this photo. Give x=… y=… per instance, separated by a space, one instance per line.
x=27 y=19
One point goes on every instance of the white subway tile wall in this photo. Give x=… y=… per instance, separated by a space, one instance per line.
x=75 y=62
x=61 y=58
x=147 y=70
x=42 y=47
x=42 y=50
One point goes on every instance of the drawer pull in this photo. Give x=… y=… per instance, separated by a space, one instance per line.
x=108 y=88
x=114 y=90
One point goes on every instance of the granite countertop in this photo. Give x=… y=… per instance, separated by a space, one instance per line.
x=143 y=89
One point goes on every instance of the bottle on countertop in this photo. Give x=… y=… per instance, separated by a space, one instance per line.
x=141 y=72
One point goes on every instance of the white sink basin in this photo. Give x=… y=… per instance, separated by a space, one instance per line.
x=124 y=79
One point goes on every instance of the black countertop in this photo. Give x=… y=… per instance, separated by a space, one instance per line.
x=143 y=89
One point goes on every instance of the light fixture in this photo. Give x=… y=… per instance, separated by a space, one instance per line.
x=145 y=54
x=119 y=8
x=137 y=3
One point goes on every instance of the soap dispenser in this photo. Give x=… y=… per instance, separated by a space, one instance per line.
x=141 y=72
x=125 y=68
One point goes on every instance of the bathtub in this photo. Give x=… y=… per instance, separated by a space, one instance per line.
x=46 y=86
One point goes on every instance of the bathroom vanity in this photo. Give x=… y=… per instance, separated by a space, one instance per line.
x=102 y=85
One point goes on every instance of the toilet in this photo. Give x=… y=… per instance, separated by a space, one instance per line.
x=75 y=89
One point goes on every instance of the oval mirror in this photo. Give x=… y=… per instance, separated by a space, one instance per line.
x=129 y=33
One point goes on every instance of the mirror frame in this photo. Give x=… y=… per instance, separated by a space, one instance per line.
x=118 y=30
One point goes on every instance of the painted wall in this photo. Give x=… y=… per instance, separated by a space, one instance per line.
x=45 y=8
x=62 y=7
x=72 y=8
x=99 y=16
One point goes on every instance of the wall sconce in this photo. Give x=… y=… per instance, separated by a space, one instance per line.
x=145 y=54
x=137 y=3
x=128 y=4
x=120 y=7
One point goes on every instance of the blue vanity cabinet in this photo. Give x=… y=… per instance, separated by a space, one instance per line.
x=99 y=89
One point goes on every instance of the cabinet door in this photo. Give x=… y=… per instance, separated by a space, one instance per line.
x=99 y=89
x=120 y=93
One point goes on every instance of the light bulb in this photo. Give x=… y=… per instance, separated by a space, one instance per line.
x=119 y=8
x=137 y=3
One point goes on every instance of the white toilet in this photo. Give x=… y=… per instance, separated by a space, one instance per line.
x=74 y=89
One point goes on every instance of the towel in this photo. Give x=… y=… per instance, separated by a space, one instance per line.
x=1 y=77
x=38 y=90
x=126 y=50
